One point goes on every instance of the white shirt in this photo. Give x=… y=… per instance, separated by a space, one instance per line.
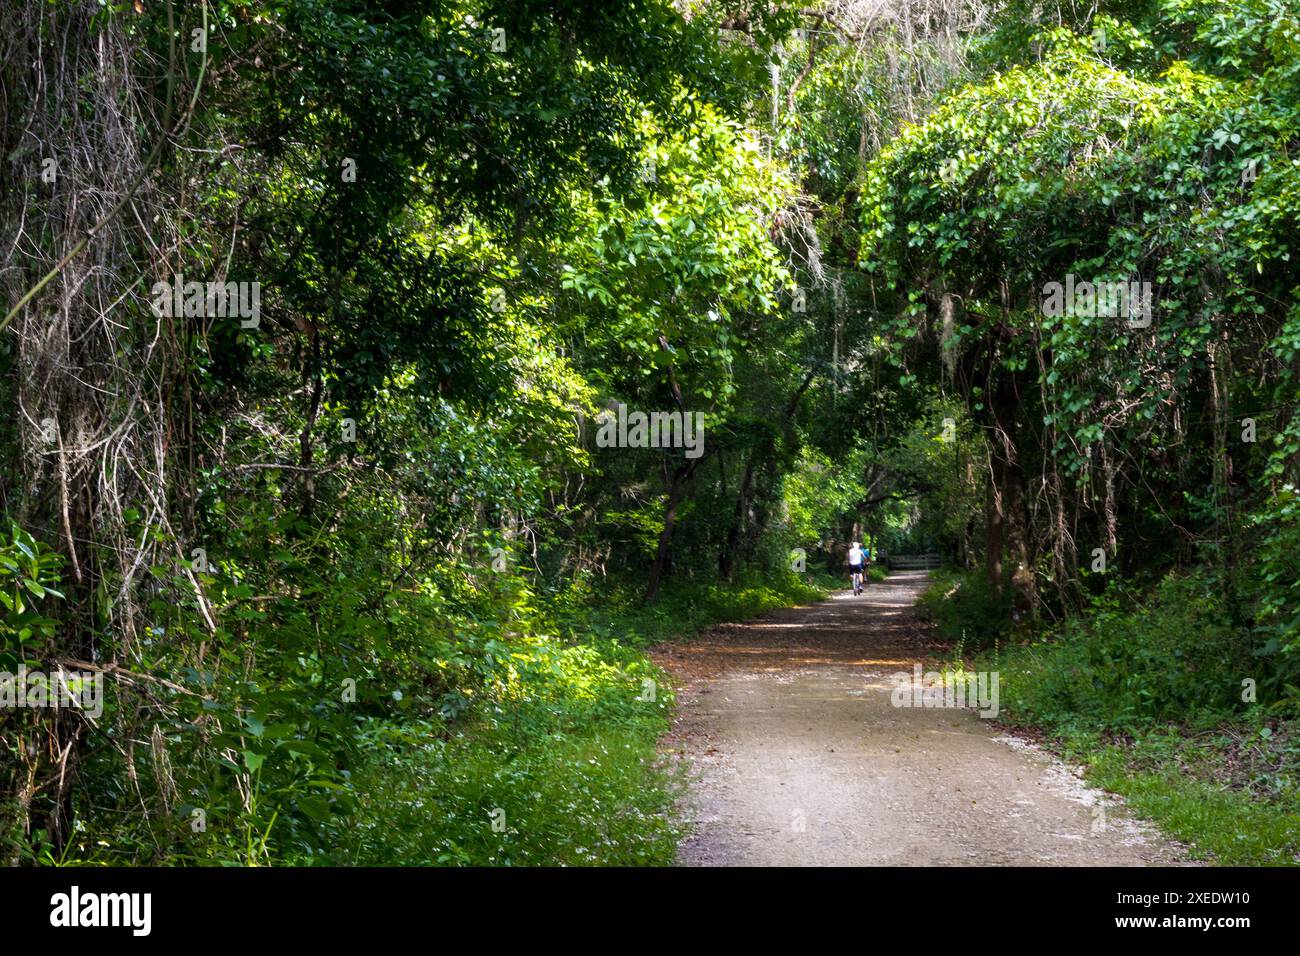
x=856 y=556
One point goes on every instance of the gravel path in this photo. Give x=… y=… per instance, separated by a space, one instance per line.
x=800 y=758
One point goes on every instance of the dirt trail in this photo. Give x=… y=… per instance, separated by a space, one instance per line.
x=801 y=759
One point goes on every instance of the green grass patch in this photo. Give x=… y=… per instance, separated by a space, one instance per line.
x=1222 y=823
x=486 y=795
x=561 y=765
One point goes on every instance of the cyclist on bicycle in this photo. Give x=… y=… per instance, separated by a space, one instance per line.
x=857 y=564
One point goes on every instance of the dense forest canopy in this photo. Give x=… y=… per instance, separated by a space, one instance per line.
x=316 y=311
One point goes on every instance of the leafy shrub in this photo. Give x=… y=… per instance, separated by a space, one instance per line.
x=1148 y=695
x=29 y=572
x=966 y=610
x=562 y=755
x=1277 y=592
x=1124 y=665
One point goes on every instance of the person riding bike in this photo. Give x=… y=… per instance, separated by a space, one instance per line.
x=857 y=565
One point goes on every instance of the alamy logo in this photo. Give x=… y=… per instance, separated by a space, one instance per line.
x=178 y=298
x=656 y=430
x=103 y=909
x=1131 y=300
x=949 y=689
x=61 y=689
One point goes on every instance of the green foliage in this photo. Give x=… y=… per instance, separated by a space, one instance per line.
x=588 y=796
x=563 y=757
x=687 y=258
x=29 y=574
x=689 y=609
x=966 y=610
x=478 y=223
x=449 y=204
x=818 y=490
x=1154 y=697
x=1230 y=792
x=1127 y=664
x=559 y=751
x=1276 y=593
x=30 y=578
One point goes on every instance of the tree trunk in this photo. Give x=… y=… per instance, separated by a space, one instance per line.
x=727 y=560
x=1008 y=511
x=1024 y=592
x=676 y=493
x=993 y=532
